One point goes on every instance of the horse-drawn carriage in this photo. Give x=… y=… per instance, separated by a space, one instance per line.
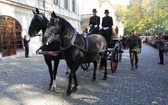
x=84 y=50
x=114 y=54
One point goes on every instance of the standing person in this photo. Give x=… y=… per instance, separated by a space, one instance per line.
x=160 y=46
x=124 y=41
x=146 y=40
x=134 y=44
x=166 y=47
x=26 y=45
x=107 y=24
x=94 y=23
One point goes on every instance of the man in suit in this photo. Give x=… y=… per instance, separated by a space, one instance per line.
x=94 y=23
x=26 y=45
x=107 y=24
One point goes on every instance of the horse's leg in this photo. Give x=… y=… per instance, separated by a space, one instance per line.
x=66 y=70
x=69 y=90
x=104 y=62
x=49 y=64
x=56 y=62
x=76 y=83
x=94 y=71
x=72 y=75
x=105 y=66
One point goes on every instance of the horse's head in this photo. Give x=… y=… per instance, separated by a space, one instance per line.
x=53 y=28
x=39 y=22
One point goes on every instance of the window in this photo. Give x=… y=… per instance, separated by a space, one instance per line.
x=43 y=4
x=66 y=4
x=56 y=2
x=73 y=6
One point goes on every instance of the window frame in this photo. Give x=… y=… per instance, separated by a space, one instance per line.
x=66 y=6
x=74 y=6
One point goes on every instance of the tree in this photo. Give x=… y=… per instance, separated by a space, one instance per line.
x=144 y=15
x=120 y=11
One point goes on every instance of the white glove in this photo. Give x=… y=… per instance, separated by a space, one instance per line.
x=95 y=26
x=105 y=28
x=90 y=25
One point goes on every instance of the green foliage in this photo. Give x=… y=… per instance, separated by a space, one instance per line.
x=143 y=15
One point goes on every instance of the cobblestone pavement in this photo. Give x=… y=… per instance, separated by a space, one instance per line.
x=24 y=81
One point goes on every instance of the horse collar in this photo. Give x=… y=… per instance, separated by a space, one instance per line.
x=71 y=42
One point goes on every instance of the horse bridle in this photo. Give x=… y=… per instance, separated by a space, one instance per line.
x=40 y=18
x=71 y=42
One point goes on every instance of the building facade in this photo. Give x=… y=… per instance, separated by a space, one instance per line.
x=16 y=15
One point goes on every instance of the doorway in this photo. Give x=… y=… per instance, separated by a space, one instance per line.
x=10 y=36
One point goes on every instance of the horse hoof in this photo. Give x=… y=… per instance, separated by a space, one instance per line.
x=68 y=93
x=53 y=88
x=105 y=78
x=67 y=72
x=74 y=89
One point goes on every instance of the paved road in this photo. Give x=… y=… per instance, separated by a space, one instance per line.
x=25 y=82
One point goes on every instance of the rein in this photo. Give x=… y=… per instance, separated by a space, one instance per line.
x=91 y=31
x=52 y=53
x=33 y=27
x=72 y=41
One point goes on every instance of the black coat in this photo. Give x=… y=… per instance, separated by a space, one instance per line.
x=107 y=21
x=26 y=42
x=94 y=20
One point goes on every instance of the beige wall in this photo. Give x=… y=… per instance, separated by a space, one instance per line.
x=21 y=10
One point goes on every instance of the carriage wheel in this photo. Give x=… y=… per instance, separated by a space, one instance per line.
x=85 y=66
x=119 y=56
x=114 y=62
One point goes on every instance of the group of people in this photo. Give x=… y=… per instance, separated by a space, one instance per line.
x=133 y=42
x=107 y=23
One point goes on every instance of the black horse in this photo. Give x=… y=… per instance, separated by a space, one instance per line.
x=76 y=48
x=39 y=22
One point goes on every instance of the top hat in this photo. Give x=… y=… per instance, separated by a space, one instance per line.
x=94 y=10
x=106 y=11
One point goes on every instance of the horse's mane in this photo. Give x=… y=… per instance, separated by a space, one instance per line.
x=45 y=18
x=44 y=23
x=65 y=24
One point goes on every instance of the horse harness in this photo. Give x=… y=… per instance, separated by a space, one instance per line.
x=72 y=43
